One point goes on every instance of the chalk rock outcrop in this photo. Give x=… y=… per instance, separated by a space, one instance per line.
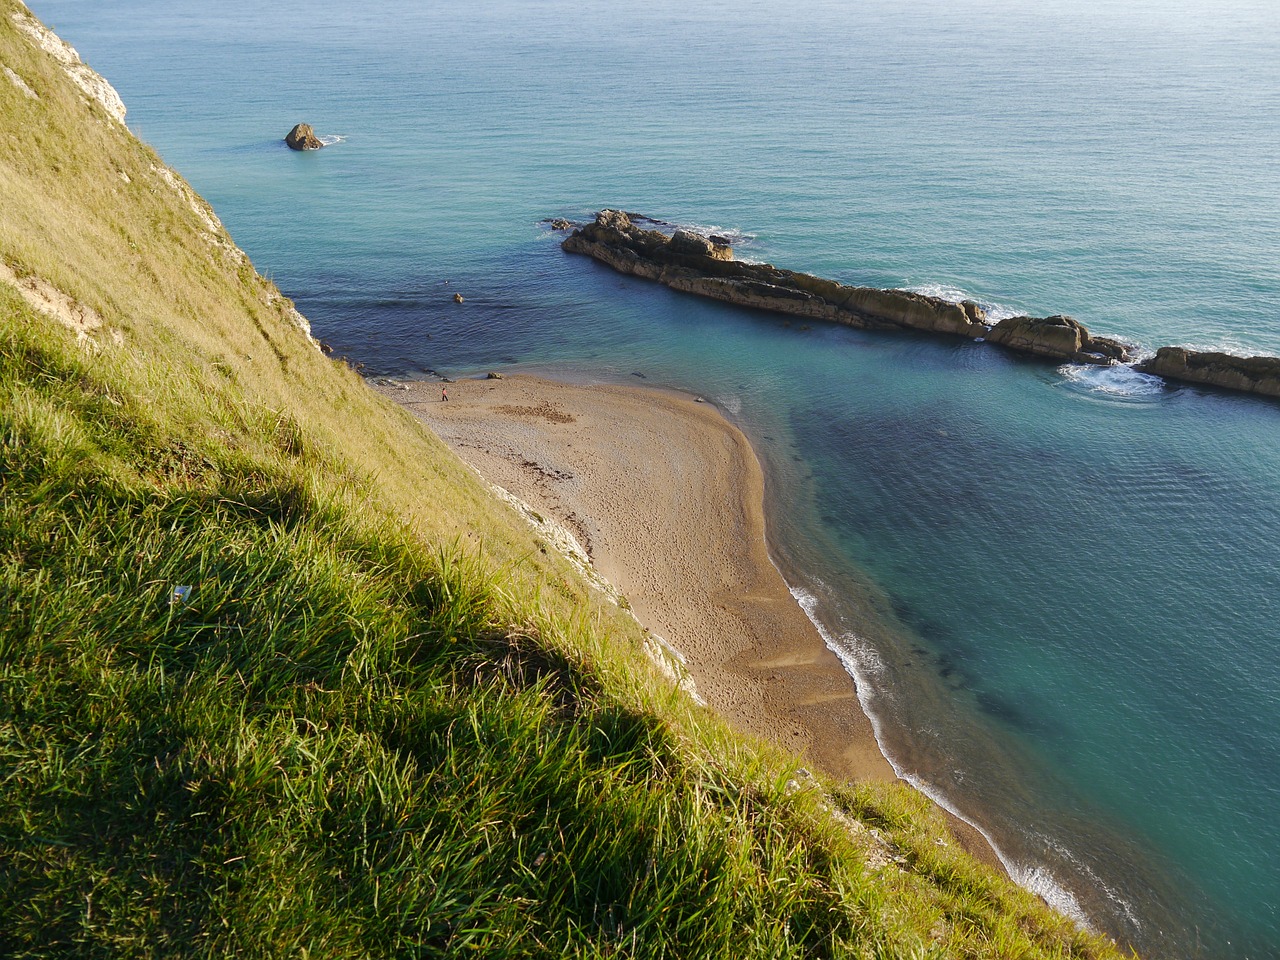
x=1246 y=374
x=91 y=83
x=302 y=137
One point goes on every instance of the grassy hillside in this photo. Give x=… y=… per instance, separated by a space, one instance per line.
x=385 y=720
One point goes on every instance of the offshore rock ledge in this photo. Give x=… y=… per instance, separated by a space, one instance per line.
x=1243 y=374
x=693 y=263
x=696 y=264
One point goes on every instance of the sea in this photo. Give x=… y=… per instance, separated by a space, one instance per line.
x=1055 y=586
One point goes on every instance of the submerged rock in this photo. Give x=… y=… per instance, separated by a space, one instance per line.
x=302 y=137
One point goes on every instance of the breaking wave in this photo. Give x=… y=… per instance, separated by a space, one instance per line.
x=995 y=311
x=865 y=665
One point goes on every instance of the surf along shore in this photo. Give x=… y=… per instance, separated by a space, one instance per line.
x=666 y=496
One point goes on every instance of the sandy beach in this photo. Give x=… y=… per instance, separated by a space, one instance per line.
x=667 y=498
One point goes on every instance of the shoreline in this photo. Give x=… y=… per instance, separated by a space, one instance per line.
x=666 y=496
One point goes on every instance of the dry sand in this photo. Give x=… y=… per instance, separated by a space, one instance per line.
x=667 y=498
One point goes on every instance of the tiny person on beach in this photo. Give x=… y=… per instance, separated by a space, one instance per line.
x=444 y=393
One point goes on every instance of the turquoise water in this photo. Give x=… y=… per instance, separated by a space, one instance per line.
x=1058 y=587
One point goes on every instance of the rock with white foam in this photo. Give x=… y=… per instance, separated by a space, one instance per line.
x=1058 y=338
x=303 y=137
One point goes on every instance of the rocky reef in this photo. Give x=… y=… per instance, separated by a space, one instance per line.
x=693 y=263
x=696 y=264
x=1245 y=374
x=1057 y=338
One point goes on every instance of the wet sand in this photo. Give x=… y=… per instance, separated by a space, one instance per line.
x=667 y=498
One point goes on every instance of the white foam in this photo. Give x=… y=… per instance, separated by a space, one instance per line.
x=995 y=311
x=1226 y=344
x=1042 y=883
x=1118 y=380
x=1125 y=906
x=329 y=139
x=860 y=661
x=733 y=234
x=866 y=667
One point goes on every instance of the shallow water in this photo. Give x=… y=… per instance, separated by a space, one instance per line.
x=1058 y=585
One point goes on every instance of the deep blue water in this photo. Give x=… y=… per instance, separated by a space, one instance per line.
x=1057 y=586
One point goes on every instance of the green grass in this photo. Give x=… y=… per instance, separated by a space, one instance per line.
x=383 y=722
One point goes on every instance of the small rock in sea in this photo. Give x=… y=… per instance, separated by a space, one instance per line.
x=302 y=137
x=637 y=373
x=457 y=298
x=494 y=376
x=559 y=223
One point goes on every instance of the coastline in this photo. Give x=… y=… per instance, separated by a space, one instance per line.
x=667 y=498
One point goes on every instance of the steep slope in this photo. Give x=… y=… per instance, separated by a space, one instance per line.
x=279 y=675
